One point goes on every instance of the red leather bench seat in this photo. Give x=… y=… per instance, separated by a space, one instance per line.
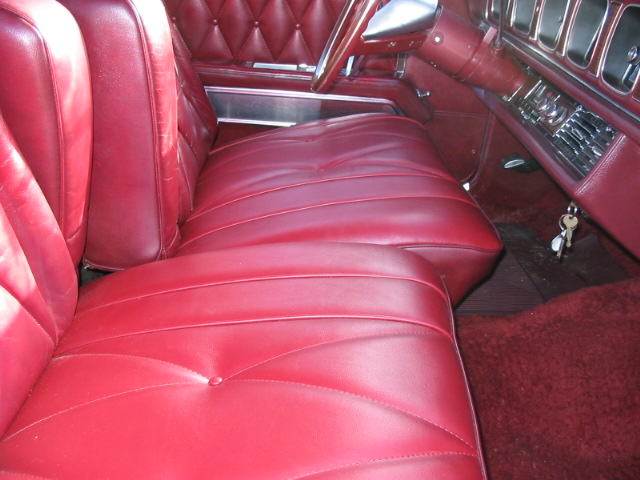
x=328 y=181
x=157 y=188
x=270 y=361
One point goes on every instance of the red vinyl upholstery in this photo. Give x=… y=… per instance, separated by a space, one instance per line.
x=46 y=97
x=280 y=361
x=370 y=179
x=38 y=287
x=134 y=192
x=358 y=179
x=224 y=39
x=287 y=360
x=271 y=361
x=256 y=30
x=241 y=32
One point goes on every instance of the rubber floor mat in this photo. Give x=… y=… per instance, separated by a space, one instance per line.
x=529 y=274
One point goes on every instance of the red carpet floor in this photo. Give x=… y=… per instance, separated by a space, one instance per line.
x=557 y=388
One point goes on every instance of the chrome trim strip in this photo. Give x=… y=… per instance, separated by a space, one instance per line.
x=286 y=108
x=295 y=94
x=285 y=67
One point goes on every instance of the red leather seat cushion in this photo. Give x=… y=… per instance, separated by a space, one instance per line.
x=277 y=361
x=367 y=178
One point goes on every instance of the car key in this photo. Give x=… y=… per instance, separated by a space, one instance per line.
x=557 y=244
x=570 y=222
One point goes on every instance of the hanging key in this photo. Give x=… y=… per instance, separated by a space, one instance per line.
x=557 y=244
x=570 y=222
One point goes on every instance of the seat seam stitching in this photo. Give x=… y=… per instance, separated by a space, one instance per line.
x=134 y=357
x=387 y=459
x=373 y=400
x=281 y=318
x=84 y=404
x=198 y=212
x=418 y=281
x=430 y=333
x=324 y=205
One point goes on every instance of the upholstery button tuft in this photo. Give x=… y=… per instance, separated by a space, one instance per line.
x=298 y=26
x=215 y=381
x=214 y=21
x=256 y=23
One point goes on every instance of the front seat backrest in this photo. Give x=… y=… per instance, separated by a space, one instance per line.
x=38 y=287
x=46 y=100
x=133 y=211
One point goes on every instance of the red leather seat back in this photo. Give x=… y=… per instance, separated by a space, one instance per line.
x=152 y=133
x=197 y=123
x=136 y=177
x=38 y=287
x=46 y=98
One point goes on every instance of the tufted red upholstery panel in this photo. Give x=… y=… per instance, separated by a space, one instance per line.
x=274 y=31
x=239 y=32
x=135 y=136
x=277 y=361
x=46 y=97
x=370 y=179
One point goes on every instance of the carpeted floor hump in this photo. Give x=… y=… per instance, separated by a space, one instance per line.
x=557 y=388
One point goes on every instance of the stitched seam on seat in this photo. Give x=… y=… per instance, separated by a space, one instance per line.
x=373 y=400
x=430 y=333
x=360 y=160
x=388 y=459
x=312 y=207
x=133 y=357
x=307 y=183
x=26 y=475
x=300 y=127
x=465 y=246
x=32 y=317
x=97 y=400
x=421 y=282
x=280 y=318
x=362 y=155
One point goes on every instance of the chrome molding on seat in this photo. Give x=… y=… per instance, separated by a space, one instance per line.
x=285 y=108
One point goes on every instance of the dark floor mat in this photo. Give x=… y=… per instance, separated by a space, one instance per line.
x=556 y=388
x=529 y=273
x=508 y=290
